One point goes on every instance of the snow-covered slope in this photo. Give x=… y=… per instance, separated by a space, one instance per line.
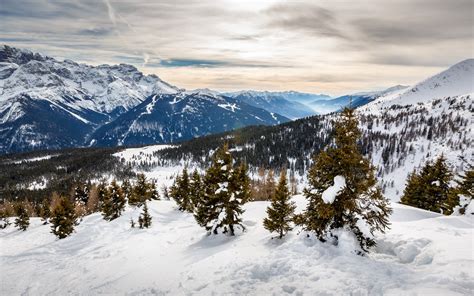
x=455 y=81
x=422 y=254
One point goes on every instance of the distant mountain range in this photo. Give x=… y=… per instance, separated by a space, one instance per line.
x=285 y=103
x=50 y=104
x=354 y=100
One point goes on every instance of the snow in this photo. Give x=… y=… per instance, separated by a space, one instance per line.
x=229 y=106
x=329 y=195
x=425 y=254
x=457 y=80
x=35 y=158
x=133 y=153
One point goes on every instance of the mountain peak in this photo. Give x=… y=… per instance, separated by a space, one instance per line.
x=456 y=80
x=18 y=56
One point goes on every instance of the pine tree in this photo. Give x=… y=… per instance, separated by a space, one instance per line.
x=154 y=195
x=359 y=200
x=180 y=192
x=270 y=187
x=126 y=189
x=102 y=195
x=4 y=219
x=144 y=221
x=22 y=220
x=224 y=195
x=196 y=189
x=439 y=186
x=115 y=202
x=281 y=211
x=81 y=194
x=45 y=211
x=141 y=192
x=462 y=195
x=63 y=218
x=430 y=188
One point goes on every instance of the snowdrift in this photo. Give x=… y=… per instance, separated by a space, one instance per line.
x=423 y=254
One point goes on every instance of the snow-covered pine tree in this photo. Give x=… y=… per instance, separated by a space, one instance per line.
x=22 y=220
x=343 y=191
x=224 y=195
x=45 y=211
x=126 y=189
x=463 y=193
x=154 y=195
x=439 y=187
x=430 y=188
x=196 y=189
x=81 y=194
x=4 y=219
x=63 y=218
x=280 y=212
x=180 y=192
x=144 y=221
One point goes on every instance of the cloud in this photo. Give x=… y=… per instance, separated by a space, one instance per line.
x=96 y=31
x=111 y=12
x=305 y=16
x=272 y=44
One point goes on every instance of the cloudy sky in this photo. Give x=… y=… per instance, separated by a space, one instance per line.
x=326 y=46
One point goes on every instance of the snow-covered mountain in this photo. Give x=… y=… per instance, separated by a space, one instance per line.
x=457 y=80
x=355 y=100
x=276 y=102
x=168 y=118
x=50 y=104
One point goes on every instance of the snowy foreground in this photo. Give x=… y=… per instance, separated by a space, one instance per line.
x=423 y=254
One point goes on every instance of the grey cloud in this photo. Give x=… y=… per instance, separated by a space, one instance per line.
x=306 y=17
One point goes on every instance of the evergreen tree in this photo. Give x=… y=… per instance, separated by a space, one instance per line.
x=430 y=188
x=102 y=195
x=196 y=189
x=154 y=191
x=180 y=192
x=224 y=194
x=269 y=186
x=461 y=196
x=359 y=200
x=115 y=202
x=81 y=194
x=281 y=211
x=22 y=220
x=439 y=187
x=4 y=219
x=126 y=189
x=45 y=211
x=63 y=218
x=144 y=221
x=141 y=192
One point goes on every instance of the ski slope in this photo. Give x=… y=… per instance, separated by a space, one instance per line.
x=423 y=254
